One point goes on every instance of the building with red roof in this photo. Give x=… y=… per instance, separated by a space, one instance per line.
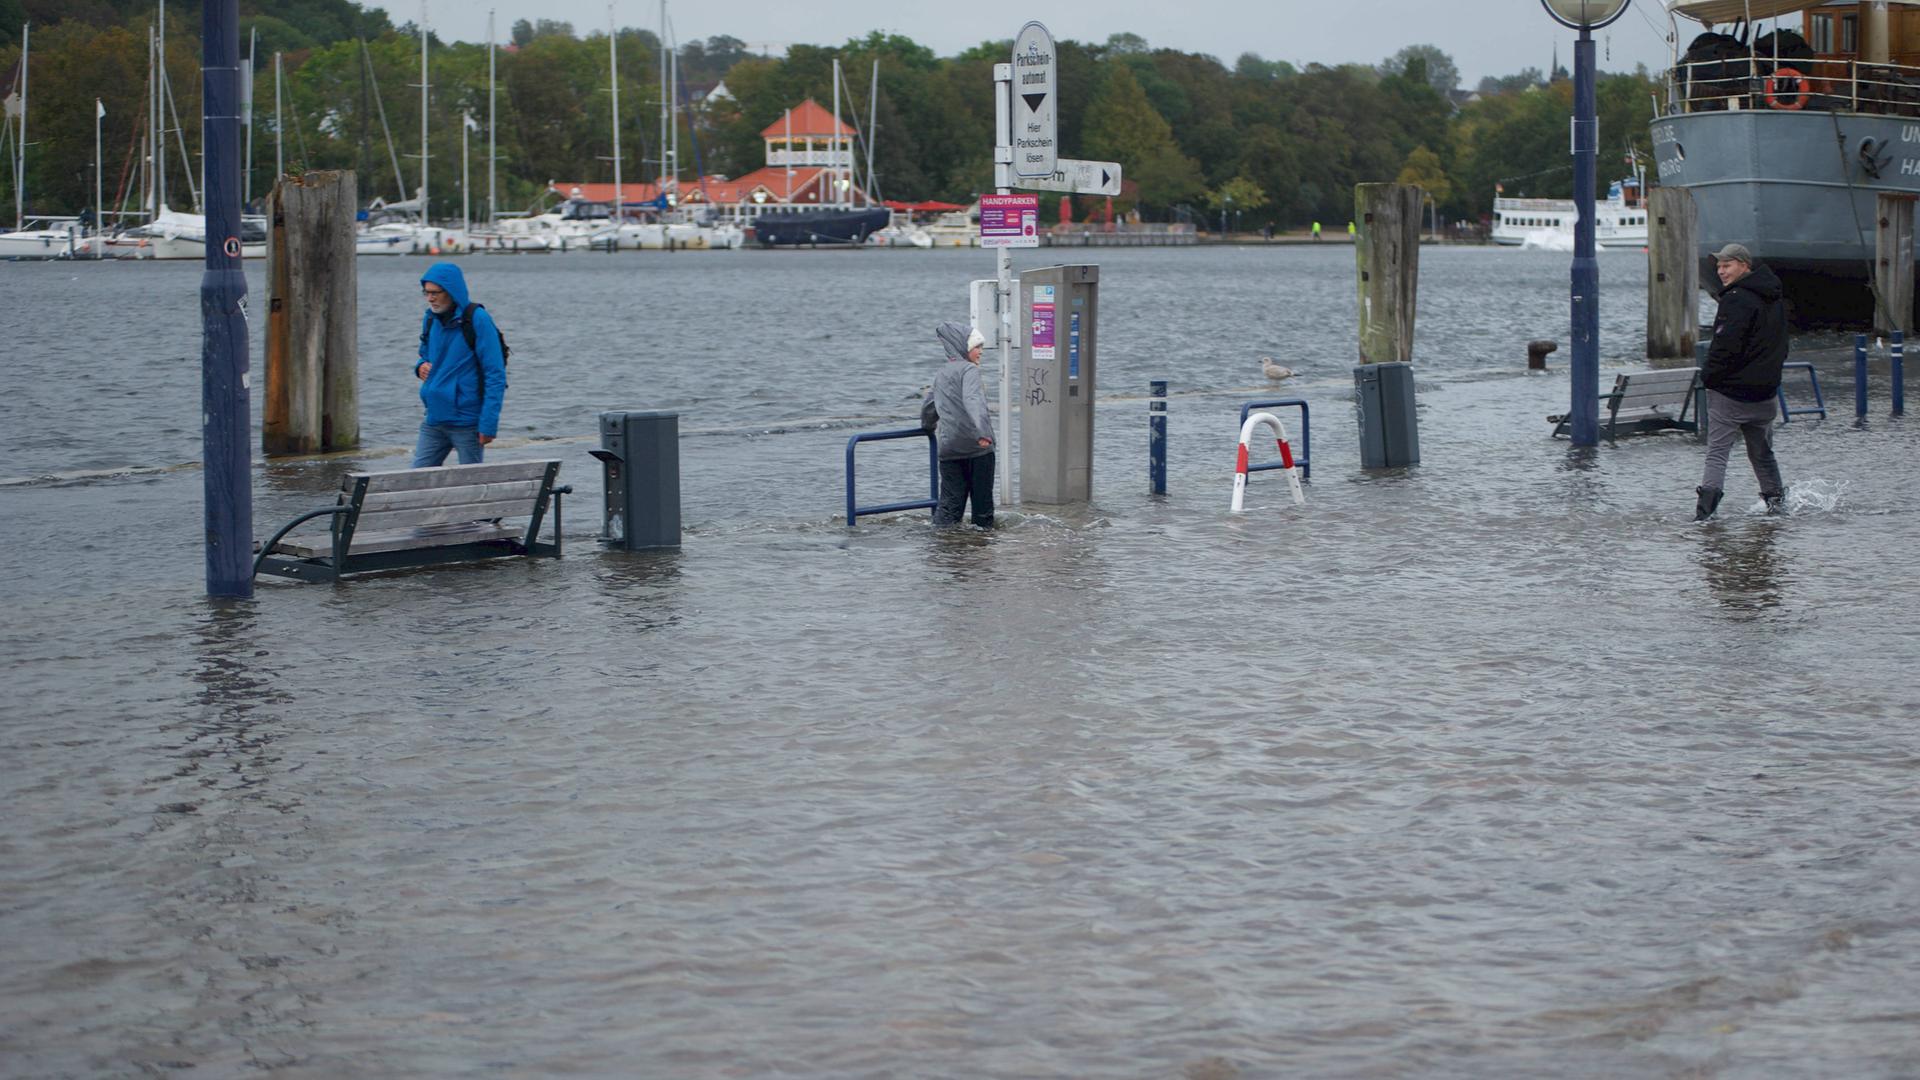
x=810 y=163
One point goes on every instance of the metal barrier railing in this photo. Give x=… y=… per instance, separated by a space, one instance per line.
x=1304 y=457
x=855 y=511
x=1787 y=413
x=1764 y=82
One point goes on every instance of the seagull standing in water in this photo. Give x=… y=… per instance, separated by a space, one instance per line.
x=1274 y=371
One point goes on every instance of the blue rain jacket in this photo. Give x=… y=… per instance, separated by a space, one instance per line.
x=466 y=386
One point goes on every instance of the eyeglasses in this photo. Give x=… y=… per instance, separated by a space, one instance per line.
x=431 y=291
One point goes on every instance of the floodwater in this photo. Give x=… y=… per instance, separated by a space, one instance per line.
x=1498 y=766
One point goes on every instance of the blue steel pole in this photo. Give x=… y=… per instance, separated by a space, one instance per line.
x=1860 y=376
x=1584 y=408
x=227 y=423
x=1157 y=436
x=1899 y=373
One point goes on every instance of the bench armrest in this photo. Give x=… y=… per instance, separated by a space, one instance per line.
x=267 y=548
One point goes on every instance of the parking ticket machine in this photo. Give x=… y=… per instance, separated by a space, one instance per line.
x=1059 y=309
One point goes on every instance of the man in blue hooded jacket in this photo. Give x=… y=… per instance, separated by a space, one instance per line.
x=461 y=386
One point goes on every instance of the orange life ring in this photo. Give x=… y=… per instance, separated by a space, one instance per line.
x=1790 y=101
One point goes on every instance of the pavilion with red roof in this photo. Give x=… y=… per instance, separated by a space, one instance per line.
x=807 y=151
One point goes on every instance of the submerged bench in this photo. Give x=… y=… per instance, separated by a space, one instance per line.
x=422 y=517
x=1644 y=401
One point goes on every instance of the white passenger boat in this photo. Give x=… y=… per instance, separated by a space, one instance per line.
x=1619 y=221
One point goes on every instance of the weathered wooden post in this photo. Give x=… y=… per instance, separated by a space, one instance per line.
x=1673 y=275
x=1387 y=260
x=312 y=393
x=1387 y=254
x=1893 y=264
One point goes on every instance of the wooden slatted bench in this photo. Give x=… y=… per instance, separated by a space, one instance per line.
x=423 y=517
x=1644 y=401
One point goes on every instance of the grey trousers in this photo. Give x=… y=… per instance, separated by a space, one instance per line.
x=1729 y=419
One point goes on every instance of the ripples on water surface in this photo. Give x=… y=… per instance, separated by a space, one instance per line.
x=1494 y=767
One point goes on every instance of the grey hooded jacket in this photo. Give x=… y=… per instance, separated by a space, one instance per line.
x=960 y=398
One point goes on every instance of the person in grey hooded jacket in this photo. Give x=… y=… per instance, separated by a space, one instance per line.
x=965 y=431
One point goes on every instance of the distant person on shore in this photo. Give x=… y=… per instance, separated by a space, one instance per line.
x=1316 y=230
x=965 y=430
x=462 y=372
x=1742 y=377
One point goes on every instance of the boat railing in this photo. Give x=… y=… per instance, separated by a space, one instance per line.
x=1761 y=83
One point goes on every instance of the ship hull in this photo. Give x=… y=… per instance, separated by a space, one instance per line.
x=1799 y=189
x=810 y=228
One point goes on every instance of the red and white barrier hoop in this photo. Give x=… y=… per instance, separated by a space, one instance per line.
x=1286 y=460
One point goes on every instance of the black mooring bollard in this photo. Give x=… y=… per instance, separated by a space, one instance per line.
x=1537 y=351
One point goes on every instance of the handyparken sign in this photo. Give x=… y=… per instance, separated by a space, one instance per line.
x=1036 y=100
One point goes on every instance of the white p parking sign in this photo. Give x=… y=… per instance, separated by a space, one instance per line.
x=1036 y=94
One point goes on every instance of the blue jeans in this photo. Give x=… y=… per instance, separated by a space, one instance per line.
x=437 y=439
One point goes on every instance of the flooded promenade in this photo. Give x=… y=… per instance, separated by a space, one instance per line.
x=1495 y=767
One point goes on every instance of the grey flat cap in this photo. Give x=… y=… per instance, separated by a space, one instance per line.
x=1734 y=251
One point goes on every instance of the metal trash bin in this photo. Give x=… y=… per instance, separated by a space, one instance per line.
x=640 y=467
x=1389 y=425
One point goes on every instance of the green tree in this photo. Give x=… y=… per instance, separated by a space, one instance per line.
x=1240 y=193
x=1125 y=128
x=1424 y=63
x=1423 y=169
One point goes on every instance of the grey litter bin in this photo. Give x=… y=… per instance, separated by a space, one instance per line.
x=640 y=465
x=1389 y=426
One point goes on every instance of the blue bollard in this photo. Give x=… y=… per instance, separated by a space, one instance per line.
x=1860 y=375
x=1899 y=373
x=1157 y=436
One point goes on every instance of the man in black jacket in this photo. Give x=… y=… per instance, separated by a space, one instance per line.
x=1742 y=377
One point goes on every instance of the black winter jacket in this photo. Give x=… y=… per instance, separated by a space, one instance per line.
x=1749 y=339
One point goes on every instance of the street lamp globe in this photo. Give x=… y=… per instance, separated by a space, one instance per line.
x=1584 y=14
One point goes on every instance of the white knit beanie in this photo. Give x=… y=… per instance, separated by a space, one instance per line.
x=974 y=340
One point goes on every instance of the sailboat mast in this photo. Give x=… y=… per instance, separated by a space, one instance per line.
x=20 y=140
x=99 y=195
x=660 y=60
x=873 y=123
x=423 y=113
x=673 y=111
x=613 y=82
x=279 y=126
x=149 y=194
x=160 y=115
x=493 y=207
x=833 y=136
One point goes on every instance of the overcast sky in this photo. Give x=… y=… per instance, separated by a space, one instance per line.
x=1484 y=37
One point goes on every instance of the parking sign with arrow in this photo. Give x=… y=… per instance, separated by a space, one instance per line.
x=1036 y=94
x=1079 y=177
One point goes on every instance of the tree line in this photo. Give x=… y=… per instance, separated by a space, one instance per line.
x=1276 y=144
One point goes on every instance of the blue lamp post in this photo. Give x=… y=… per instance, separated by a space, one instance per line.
x=227 y=425
x=1585 y=16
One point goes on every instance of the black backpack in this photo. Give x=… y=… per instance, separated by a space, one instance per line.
x=466 y=327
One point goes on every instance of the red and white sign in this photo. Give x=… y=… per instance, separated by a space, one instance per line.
x=1009 y=221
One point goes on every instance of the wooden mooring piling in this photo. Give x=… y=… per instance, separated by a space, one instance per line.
x=312 y=394
x=1673 y=275
x=1387 y=254
x=1893 y=263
